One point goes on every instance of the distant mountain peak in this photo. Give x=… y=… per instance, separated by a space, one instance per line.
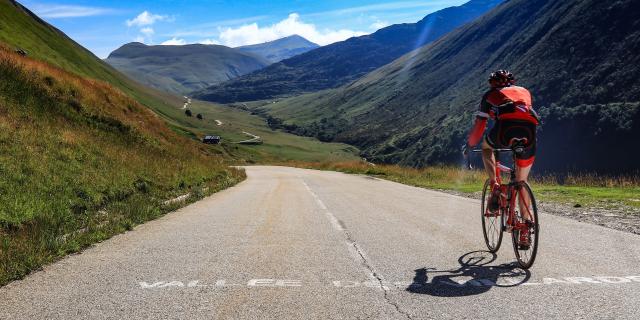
x=282 y=48
x=184 y=68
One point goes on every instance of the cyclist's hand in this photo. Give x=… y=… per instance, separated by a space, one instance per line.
x=465 y=150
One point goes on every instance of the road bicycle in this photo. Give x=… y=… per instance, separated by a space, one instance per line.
x=517 y=212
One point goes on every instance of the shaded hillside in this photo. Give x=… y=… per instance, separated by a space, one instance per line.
x=578 y=57
x=182 y=69
x=281 y=49
x=339 y=63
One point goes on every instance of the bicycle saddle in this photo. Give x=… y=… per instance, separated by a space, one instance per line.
x=518 y=144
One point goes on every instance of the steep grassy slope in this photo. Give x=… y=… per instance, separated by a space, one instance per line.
x=579 y=58
x=182 y=69
x=339 y=63
x=81 y=161
x=281 y=49
x=20 y=28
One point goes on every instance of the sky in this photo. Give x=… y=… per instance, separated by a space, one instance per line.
x=103 y=26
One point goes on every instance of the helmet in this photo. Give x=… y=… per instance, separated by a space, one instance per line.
x=503 y=78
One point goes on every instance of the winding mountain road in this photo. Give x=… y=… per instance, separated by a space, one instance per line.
x=303 y=244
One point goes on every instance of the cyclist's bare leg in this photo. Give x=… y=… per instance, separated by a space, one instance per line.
x=522 y=173
x=489 y=160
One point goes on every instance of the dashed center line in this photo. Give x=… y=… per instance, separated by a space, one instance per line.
x=332 y=219
x=358 y=253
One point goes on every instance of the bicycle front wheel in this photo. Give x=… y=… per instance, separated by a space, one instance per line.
x=525 y=235
x=491 y=221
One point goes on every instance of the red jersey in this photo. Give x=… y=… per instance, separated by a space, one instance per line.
x=503 y=104
x=508 y=103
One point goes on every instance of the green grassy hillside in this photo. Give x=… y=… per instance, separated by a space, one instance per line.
x=20 y=28
x=81 y=161
x=278 y=145
x=577 y=57
x=183 y=69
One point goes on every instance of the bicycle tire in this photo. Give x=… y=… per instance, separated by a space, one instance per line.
x=526 y=258
x=492 y=227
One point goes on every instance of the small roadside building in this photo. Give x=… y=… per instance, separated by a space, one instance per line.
x=211 y=139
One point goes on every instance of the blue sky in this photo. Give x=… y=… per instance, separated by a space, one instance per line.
x=103 y=26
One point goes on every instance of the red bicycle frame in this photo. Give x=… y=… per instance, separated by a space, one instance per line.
x=508 y=195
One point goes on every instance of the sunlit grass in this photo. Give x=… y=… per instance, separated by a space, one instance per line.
x=81 y=161
x=583 y=190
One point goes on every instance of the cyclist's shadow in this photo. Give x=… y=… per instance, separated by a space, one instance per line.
x=473 y=277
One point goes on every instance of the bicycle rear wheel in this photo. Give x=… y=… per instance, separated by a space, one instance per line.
x=525 y=209
x=491 y=221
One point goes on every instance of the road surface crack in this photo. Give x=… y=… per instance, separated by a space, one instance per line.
x=358 y=253
x=373 y=274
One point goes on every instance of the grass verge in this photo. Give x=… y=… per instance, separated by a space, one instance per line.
x=577 y=190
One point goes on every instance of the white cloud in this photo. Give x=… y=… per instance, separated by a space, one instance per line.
x=69 y=11
x=209 y=41
x=252 y=33
x=147 y=31
x=379 y=25
x=139 y=39
x=210 y=29
x=146 y=19
x=174 y=42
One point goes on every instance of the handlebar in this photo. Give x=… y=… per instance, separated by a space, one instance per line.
x=502 y=167
x=495 y=150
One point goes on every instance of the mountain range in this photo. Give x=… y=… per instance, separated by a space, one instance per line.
x=281 y=49
x=181 y=69
x=578 y=57
x=342 y=62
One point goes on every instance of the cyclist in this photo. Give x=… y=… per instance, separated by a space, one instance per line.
x=511 y=108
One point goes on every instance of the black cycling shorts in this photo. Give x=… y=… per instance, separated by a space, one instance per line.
x=499 y=137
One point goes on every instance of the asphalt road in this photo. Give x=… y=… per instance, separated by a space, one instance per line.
x=302 y=244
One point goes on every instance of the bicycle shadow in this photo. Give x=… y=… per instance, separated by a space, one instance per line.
x=475 y=276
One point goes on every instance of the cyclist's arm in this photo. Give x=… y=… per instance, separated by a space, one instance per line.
x=483 y=114
x=476 y=132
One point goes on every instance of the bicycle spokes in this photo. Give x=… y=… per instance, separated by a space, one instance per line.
x=491 y=221
x=525 y=226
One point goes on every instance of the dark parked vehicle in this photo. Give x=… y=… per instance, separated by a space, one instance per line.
x=211 y=139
